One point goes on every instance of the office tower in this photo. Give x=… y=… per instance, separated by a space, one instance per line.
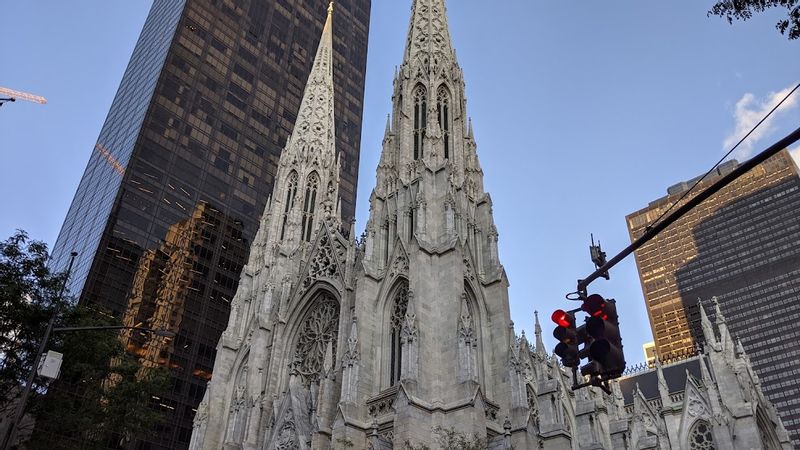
x=739 y=252
x=171 y=197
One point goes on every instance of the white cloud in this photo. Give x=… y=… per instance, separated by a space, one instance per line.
x=749 y=110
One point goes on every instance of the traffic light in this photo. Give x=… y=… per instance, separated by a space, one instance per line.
x=597 y=341
x=567 y=335
x=606 y=359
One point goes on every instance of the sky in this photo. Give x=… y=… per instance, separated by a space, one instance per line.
x=584 y=112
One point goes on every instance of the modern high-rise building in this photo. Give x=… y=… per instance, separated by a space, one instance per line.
x=740 y=250
x=171 y=197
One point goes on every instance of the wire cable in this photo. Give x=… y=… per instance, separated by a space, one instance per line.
x=723 y=158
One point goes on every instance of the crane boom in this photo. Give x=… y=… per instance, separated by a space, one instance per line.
x=23 y=95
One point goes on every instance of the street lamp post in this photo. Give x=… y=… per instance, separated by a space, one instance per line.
x=11 y=433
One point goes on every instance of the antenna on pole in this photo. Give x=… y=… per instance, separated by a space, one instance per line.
x=598 y=257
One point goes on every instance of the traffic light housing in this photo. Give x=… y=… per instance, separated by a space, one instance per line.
x=598 y=341
x=605 y=354
x=567 y=336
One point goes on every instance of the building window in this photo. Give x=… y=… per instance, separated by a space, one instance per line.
x=700 y=436
x=399 y=307
x=312 y=185
x=420 y=119
x=412 y=211
x=291 y=194
x=443 y=110
x=319 y=329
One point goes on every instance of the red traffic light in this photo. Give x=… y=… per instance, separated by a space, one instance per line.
x=595 y=306
x=562 y=318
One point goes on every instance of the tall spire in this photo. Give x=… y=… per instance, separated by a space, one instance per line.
x=428 y=33
x=306 y=187
x=314 y=129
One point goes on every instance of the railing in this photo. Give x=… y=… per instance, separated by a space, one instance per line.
x=381 y=404
x=669 y=358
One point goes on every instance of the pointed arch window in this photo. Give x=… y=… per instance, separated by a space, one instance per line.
x=443 y=110
x=420 y=119
x=386 y=240
x=309 y=204
x=399 y=308
x=291 y=194
x=701 y=437
x=319 y=329
x=412 y=211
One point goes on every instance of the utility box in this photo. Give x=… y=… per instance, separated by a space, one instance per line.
x=50 y=365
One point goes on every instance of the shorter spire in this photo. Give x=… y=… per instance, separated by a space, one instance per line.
x=638 y=403
x=538 y=331
x=388 y=129
x=725 y=338
x=705 y=323
x=740 y=352
x=663 y=388
x=352 y=341
x=717 y=311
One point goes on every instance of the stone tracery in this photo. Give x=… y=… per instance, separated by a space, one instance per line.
x=319 y=329
x=700 y=436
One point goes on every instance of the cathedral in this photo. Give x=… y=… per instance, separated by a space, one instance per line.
x=382 y=342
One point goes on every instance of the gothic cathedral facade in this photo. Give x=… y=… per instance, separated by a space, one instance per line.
x=336 y=342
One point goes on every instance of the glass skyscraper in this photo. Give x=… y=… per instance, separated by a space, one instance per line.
x=171 y=197
x=741 y=246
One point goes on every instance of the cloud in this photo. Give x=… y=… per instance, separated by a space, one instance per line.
x=749 y=110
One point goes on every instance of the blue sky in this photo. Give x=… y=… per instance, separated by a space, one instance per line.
x=583 y=112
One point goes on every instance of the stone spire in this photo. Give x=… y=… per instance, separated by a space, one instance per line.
x=708 y=382
x=428 y=33
x=314 y=128
x=429 y=149
x=308 y=166
x=708 y=329
x=540 y=350
x=663 y=388
x=725 y=338
x=429 y=111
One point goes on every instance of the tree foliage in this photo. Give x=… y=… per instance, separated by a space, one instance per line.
x=28 y=294
x=744 y=9
x=103 y=395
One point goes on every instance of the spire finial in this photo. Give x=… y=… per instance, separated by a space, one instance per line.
x=538 y=331
x=708 y=329
x=717 y=310
x=330 y=9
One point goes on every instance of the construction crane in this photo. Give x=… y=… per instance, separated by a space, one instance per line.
x=10 y=95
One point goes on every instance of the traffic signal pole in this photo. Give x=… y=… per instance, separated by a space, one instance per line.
x=688 y=206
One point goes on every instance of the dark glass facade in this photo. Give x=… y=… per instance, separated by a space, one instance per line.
x=741 y=246
x=171 y=197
